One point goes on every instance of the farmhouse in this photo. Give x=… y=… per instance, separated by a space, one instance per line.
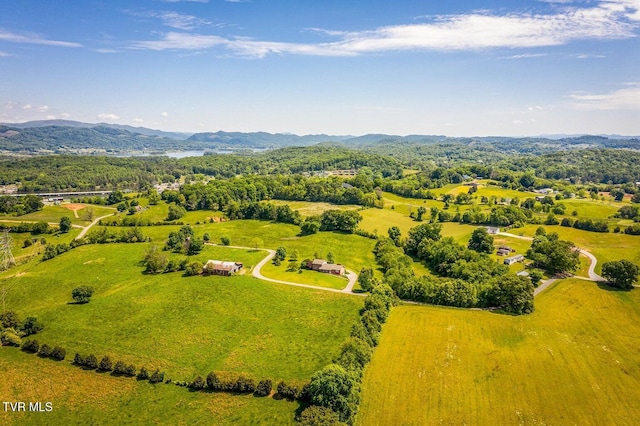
x=322 y=265
x=332 y=268
x=514 y=259
x=218 y=267
x=492 y=230
x=315 y=264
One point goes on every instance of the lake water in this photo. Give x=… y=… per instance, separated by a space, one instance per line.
x=183 y=154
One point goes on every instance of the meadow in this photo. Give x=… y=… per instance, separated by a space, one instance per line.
x=573 y=361
x=183 y=325
x=82 y=397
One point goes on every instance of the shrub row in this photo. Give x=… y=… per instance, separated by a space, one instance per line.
x=336 y=388
x=45 y=351
x=119 y=368
x=102 y=236
x=225 y=383
x=136 y=221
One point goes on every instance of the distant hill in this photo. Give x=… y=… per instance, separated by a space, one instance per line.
x=78 y=124
x=73 y=137
x=263 y=139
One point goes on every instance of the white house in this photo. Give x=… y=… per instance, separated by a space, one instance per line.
x=514 y=259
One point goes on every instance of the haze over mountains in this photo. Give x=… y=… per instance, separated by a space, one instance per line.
x=69 y=137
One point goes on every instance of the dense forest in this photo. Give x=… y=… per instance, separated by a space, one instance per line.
x=410 y=166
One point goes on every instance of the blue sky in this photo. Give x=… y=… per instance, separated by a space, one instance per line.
x=460 y=68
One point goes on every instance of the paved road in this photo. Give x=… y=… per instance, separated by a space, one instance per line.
x=545 y=284
x=353 y=277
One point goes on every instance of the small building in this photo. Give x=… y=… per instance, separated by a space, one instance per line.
x=523 y=274
x=332 y=268
x=506 y=248
x=315 y=264
x=492 y=230
x=502 y=252
x=218 y=267
x=514 y=259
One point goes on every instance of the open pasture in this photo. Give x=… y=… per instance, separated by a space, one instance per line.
x=183 y=325
x=53 y=214
x=87 y=397
x=568 y=363
x=307 y=208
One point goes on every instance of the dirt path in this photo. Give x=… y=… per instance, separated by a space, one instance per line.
x=86 y=228
x=256 y=273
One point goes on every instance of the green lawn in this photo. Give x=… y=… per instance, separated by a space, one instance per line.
x=306 y=276
x=574 y=361
x=183 y=325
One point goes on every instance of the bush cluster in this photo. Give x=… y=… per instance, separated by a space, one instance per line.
x=45 y=351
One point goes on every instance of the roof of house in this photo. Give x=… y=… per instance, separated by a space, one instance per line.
x=516 y=257
x=220 y=265
x=332 y=267
x=318 y=262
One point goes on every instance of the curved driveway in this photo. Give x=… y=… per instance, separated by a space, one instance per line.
x=545 y=284
x=353 y=277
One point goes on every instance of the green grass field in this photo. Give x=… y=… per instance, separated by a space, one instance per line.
x=53 y=214
x=87 y=397
x=305 y=277
x=605 y=247
x=183 y=325
x=574 y=361
x=307 y=208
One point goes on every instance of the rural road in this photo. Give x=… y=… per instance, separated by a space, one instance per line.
x=86 y=228
x=353 y=277
x=545 y=284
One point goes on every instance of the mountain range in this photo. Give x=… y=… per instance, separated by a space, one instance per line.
x=73 y=137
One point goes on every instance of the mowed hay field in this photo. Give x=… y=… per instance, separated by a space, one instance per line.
x=576 y=360
x=86 y=397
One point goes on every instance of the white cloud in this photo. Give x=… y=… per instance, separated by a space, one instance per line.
x=627 y=98
x=4 y=54
x=30 y=38
x=589 y=56
x=27 y=106
x=170 y=18
x=528 y=55
x=473 y=31
x=106 y=50
x=175 y=40
x=43 y=108
x=137 y=121
x=107 y=117
x=165 y=114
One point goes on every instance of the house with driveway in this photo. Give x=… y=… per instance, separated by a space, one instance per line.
x=325 y=267
x=218 y=267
